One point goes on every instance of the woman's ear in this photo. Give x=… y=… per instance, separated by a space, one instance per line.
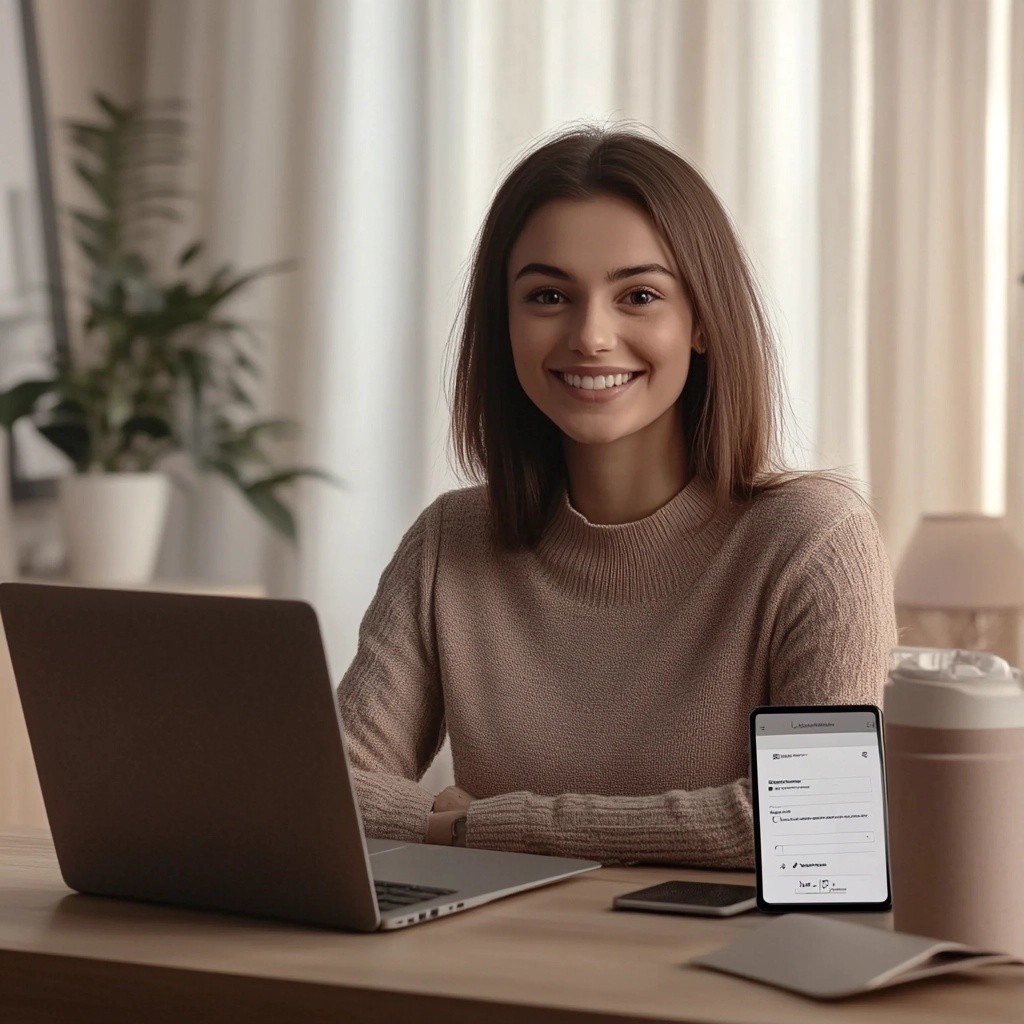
x=697 y=342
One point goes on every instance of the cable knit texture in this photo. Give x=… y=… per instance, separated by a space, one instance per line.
x=597 y=689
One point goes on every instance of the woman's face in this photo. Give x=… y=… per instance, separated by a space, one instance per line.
x=601 y=329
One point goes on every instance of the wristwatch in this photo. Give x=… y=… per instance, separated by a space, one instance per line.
x=459 y=831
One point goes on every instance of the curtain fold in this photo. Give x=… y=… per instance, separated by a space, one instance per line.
x=845 y=143
x=924 y=295
x=1015 y=284
x=364 y=389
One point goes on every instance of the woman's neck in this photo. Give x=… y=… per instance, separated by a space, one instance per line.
x=628 y=479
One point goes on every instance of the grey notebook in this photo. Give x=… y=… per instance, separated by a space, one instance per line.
x=828 y=959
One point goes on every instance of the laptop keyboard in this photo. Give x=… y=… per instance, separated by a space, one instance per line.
x=392 y=895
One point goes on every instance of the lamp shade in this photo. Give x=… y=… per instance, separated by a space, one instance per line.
x=961 y=562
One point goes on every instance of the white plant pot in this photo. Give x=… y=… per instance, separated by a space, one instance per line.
x=113 y=524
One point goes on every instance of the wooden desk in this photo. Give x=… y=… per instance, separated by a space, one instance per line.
x=558 y=954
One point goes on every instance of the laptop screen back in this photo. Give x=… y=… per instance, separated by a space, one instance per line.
x=189 y=751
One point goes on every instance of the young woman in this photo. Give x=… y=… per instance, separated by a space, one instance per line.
x=593 y=624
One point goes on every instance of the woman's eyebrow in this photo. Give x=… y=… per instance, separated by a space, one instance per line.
x=613 y=275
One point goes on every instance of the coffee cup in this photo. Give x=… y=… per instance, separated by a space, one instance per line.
x=954 y=750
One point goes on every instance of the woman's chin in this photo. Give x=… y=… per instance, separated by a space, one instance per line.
x=592 y=435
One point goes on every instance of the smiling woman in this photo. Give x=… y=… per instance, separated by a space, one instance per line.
x=607 y=362
x=592 y=626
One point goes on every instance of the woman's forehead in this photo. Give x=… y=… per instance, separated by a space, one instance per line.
x=589 y=236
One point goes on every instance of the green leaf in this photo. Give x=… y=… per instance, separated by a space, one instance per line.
x=273 y=510
x=189 y=253
x=241 y=356
x=264 y=501
x=217 y=278
x=227 y=470
x=68 y=408
x=144 y=423
x=91 y=251
x=224 y=291
x=239 y=450
x=157 y=212
x=98 y=226
x=99 y=183
x=196 y=368
x=143 y=295
x=287 y=476
x=117 y=114
x=279 y=427
x=240 y=394
x=70 y=438
x=147 y=189
x=143 y=122
x=21 y=400
x=87 y=130
x=133 y=264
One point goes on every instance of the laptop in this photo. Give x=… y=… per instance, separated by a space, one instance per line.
x=189 y=751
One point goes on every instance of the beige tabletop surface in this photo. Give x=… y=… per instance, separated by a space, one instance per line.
x=555 y=954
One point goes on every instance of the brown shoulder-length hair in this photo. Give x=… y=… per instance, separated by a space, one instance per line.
x=732 y=395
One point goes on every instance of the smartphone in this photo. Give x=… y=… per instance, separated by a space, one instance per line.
x=817 y=779
x=710 y=899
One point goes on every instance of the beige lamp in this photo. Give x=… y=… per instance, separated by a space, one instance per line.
x=961 y=584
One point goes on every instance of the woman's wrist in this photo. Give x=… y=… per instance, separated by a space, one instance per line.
x=441 y=827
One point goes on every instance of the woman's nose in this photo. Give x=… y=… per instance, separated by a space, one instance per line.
x=594 y=331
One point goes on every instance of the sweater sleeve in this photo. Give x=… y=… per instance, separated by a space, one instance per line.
x=390 y=698
x=837 y=621
x=702 y=828
x=835 y=625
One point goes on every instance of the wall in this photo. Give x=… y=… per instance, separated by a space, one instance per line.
x=86 y=46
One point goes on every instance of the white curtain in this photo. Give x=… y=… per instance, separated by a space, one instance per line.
x=870 y=153
x=1015 y=254
x=937 y=358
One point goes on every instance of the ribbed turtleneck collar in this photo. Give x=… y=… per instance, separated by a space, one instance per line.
x=635 y=562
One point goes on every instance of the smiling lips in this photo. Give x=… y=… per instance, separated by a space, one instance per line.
x=610 y=383
x=597 y=383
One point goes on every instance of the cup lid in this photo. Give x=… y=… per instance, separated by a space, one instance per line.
x=953 y=689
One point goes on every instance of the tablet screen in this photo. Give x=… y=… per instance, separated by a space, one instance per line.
x=817 y=779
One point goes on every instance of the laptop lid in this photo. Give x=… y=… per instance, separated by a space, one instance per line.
x=189 y=751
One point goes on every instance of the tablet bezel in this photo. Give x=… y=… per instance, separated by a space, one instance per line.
x=838 y=905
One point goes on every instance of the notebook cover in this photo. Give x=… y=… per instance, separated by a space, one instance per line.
x=827 y=959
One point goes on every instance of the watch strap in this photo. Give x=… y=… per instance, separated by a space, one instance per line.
x=459 y=831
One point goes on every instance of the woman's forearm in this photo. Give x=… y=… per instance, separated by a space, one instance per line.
x=704 y=828
x=392 y=807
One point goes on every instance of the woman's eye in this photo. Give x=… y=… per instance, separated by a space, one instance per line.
x=645 y=291
x=537 y=296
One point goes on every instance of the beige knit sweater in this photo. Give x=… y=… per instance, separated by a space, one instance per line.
x=596 y=690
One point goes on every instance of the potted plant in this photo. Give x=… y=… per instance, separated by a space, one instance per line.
x=160 y=367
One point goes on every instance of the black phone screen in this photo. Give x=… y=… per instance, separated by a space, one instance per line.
x=696 y=894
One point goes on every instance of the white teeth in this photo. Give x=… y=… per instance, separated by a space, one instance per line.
x=599 y=383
